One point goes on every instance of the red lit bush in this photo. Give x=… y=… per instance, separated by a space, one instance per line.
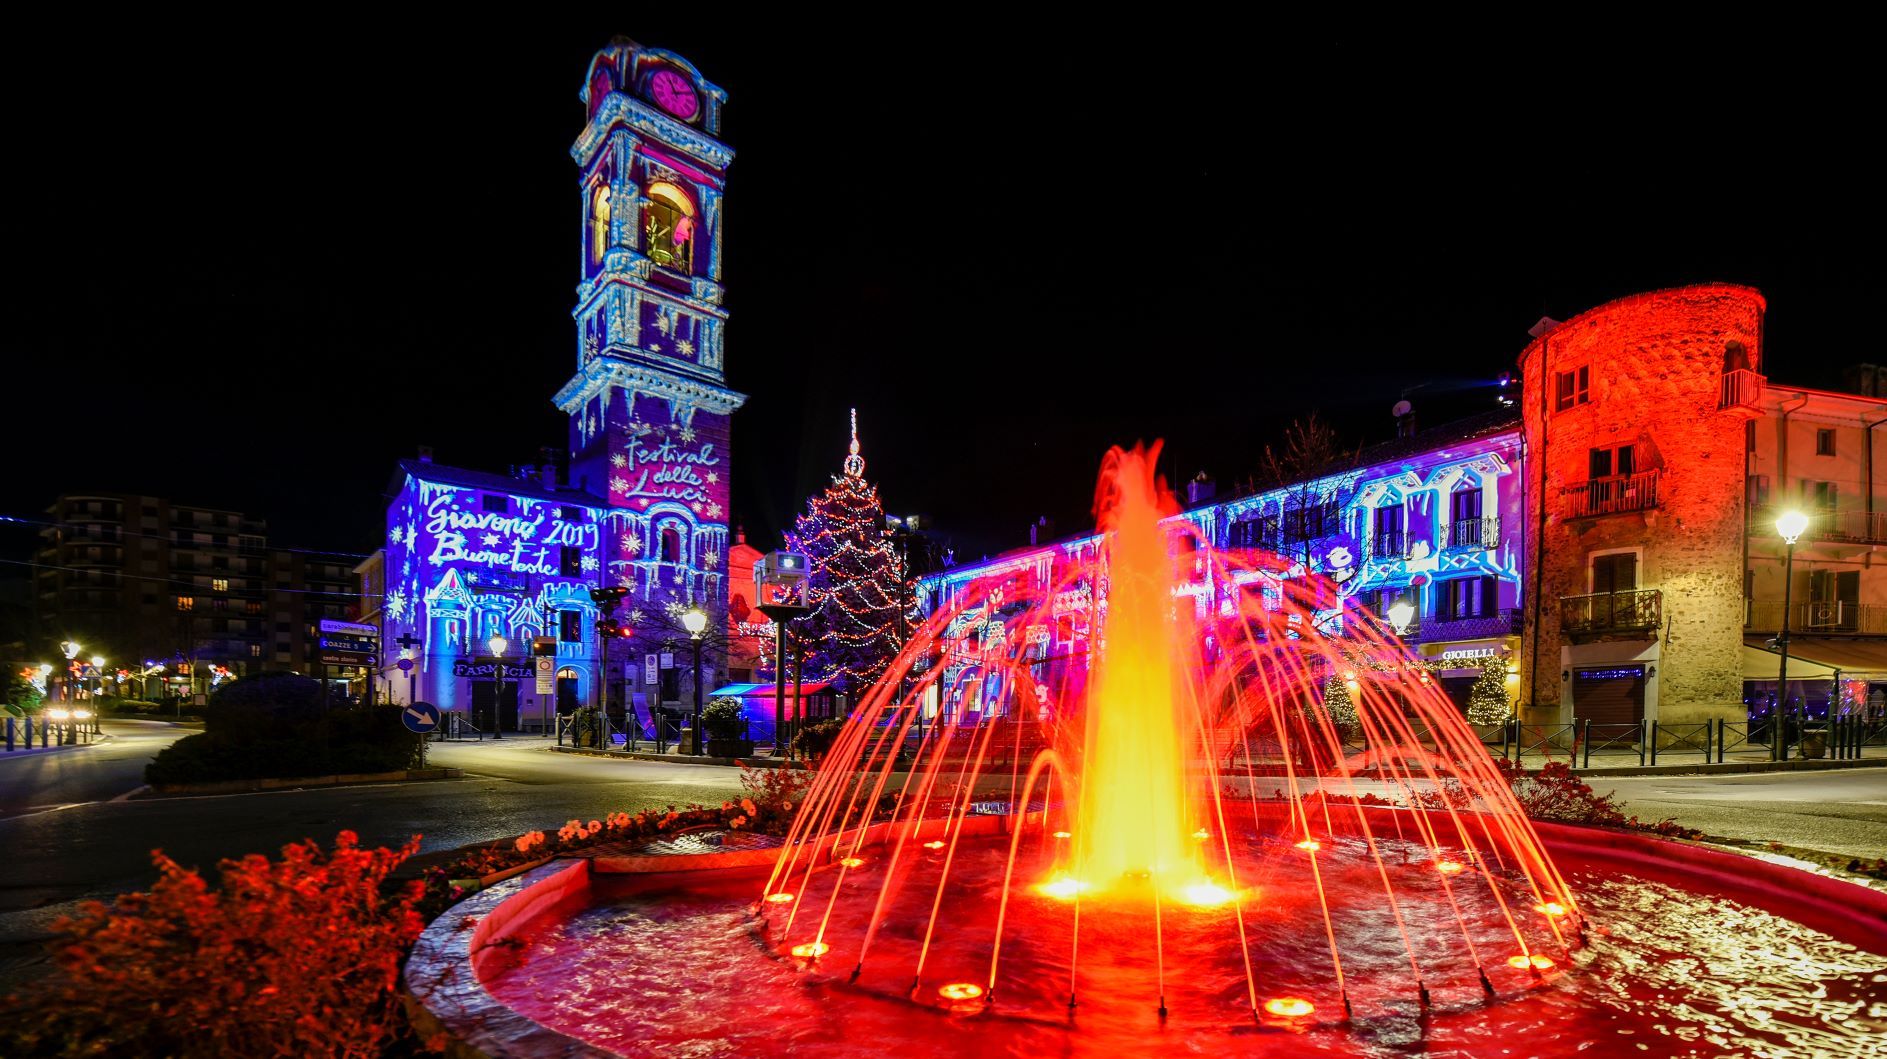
x=298 y=956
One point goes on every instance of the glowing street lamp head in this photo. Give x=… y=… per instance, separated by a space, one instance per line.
x=1791 y=524
x=1401 y=613
x=70 y=647
x=497 y=645
x=695 y=620
x=98 y=661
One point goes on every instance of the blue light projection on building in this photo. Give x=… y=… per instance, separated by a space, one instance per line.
x=644 y=501
x=1434 y=520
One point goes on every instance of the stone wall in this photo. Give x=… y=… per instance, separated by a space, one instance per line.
x=1655 y=365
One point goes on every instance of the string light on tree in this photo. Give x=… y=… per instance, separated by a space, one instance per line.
x=856 y=581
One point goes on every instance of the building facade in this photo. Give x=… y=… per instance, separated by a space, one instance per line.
x=643 y=503
x=1432 y=519
x=1614 y=538
x=177 y=596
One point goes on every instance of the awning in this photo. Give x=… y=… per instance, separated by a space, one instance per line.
x=1815 y=658
x=765 y=691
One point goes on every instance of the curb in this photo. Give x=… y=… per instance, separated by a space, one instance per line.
x=171 y=790
x=1731 y=768
x=679 y=759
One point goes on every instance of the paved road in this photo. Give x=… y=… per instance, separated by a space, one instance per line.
x=1842 y=812
x=42 y=780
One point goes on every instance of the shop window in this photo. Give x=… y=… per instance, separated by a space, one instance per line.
x=599 y=224
x=1572 y=388
x=570 y=626
x=1824 y=442
x=668 y=227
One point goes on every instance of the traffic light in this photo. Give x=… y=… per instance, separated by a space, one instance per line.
x=608 y=598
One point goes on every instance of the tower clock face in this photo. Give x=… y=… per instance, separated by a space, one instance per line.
x=674 y=94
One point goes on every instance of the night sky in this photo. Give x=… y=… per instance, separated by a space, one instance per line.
x=253 y=272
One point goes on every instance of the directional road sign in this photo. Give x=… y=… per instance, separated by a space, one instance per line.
x=420 y=717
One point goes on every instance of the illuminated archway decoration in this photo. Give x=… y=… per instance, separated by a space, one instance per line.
x=599 y=224
x=663 y=191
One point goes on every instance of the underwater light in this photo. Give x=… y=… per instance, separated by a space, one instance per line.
x=811 y=949
x=1289 y=1007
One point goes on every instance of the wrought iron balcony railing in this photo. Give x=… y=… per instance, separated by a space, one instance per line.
x=1615 y=495
x=1480 y=627
x=1387 y=544
x=1610 y=612
x=1816 y=616
x=1483 y=532
x=1848 y=527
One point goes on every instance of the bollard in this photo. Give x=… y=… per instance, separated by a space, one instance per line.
x=9 y=733
x=1654 y=742
x=1586 y=741
x=1641 y=742
x=29 y=731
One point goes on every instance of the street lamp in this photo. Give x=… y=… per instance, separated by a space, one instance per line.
x=1790 y=525
x=695 y=620
x=1401 y=613
x=497 y=644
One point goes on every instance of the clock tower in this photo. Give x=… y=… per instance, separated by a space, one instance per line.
x=648 y=404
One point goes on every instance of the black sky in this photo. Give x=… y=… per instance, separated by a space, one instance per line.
x=252 y=268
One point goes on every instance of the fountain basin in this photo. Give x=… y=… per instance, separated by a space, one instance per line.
x=1690 y=950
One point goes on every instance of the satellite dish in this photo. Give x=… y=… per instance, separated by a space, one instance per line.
x=1401 y=409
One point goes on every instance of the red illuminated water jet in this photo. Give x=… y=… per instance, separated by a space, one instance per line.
x=1192 y=788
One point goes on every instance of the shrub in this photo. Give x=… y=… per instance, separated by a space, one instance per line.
x=353 y=740
x=722 y=719
x=299 y=956
x=264 y=706
x=815 y=739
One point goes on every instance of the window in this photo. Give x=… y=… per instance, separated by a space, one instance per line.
x=599 y=224
x=1606 y=463
x=1461 y=598
x=498 y=502
x=1386 y=540
x=1572 y=388
x=1617 y=572
x=253 y=606
x=1825 y=442
x=255 y=650
x=219 y=584
x=1749 y=435
x=186 y=602
x=570 y=626
x=1756 y=490
x=219 y=603
x=1819 y=495
x=671 y=545
x=669 y=227
x=570 y=560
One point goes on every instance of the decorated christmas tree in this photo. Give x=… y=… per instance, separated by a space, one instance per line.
x=856 y=586
x=1487 y=697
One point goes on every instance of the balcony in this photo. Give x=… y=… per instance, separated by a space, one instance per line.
x=1741 y=392
x=1473 y=533
x=1616 y=495
x=1386 y=544
x=1817 y=616
x=1605 y=613
x=1838 y=527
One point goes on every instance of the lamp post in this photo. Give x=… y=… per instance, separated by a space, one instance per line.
x=497 y=644
x=1790 y=525
x=695 y=620
x=98 y=688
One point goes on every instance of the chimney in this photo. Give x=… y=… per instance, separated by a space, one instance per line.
x=1041 y=530
x=1200 y=489
x=425 y=454
x=1405 y=419
x=553 y=470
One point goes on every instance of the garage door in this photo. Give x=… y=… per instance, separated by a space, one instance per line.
x=1613 y=695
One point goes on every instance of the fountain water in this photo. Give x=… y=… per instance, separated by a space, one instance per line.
x=1156 y=825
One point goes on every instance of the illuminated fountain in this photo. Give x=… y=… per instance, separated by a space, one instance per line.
x=1251 y=817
